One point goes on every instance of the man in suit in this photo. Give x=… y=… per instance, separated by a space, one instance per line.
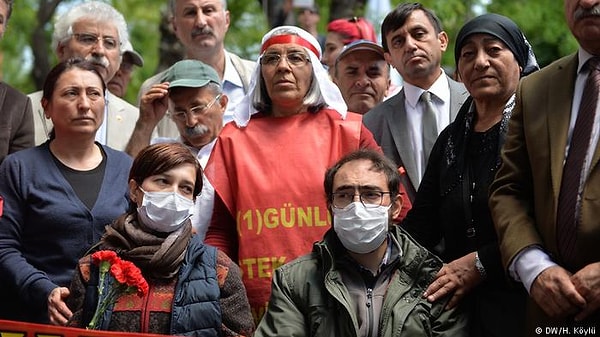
x=413 y=41
x=201 y=26
x=16 y=123
x=97 y=32
x=534 y=207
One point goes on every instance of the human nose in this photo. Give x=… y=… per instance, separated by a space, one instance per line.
x=363 y=81
x=84 y=102
x=191 y=119
x=481 y=60
x=201 y=19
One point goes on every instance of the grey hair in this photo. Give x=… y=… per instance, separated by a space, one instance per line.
x=92 y=10
x=313 y=99
x=172 y=4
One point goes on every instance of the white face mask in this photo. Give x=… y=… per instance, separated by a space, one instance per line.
x=164 y=212
x=360 y=229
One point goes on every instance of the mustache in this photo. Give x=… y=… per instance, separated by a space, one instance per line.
x=197 y=130
x=98 y=60
x=581 y=13
x=206 y=30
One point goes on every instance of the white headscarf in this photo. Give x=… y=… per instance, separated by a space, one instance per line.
x=331 y=94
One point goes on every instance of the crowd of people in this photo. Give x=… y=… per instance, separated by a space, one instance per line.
x=301 y=194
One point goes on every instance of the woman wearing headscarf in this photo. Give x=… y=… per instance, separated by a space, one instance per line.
x=450 y=213
x=267 y=166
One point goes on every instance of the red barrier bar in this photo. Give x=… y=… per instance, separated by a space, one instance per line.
x=21 y=329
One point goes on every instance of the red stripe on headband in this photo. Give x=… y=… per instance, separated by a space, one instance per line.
x=280 y=39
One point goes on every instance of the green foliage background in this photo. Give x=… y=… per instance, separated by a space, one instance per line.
x=541 y=20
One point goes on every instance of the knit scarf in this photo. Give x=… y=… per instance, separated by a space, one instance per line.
x=158 y=256
x=455 y=150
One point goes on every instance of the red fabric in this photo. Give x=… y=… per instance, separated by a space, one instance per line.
x=1 y=205
x=269 y=177
x=353 y=29
x=295 y=39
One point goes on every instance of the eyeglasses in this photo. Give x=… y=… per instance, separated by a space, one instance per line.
x=198 y=110
x=370 y=199
x=295 y=59
x=90 y=40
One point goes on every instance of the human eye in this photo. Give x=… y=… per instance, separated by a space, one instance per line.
x=199 y=109
x=209 y=10
x=344 y=196
x=270 y=59
x=70 y=93
x=94 y=94
x=420 y=34
x=374 y=72
x=187 y=189
x=296 y=58
x=190 y=12
x=178 y=114
x=371 y=196
x=109 y=43
x=397 y=42
x=467 y=53
x=87 y=39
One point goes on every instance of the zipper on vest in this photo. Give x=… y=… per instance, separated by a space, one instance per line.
x=370 y=311
x=145 y=314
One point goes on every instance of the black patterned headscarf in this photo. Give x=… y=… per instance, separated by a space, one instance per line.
x=506 y=31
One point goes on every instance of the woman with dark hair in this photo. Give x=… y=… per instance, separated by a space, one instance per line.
x=195 y=290
x=58 y=197
x=450 y=213
x=267 y=166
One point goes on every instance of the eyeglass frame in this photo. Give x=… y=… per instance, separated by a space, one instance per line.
x=305 y=59
x=203 y=109
x=98 y=38
x=360 y=197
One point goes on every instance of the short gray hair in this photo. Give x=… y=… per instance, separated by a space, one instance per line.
x=94 y=11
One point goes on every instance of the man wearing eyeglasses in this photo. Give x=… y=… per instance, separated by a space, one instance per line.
x=366 y=277
x=191 y=92
x=201 y=26
x=97 y=32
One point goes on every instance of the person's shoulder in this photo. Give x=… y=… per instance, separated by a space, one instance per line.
x=13 y=93
x=419 y=262
x=117 y=102
x=392 y=103
x=35 y=96
x=236 y=58
x=119 y=156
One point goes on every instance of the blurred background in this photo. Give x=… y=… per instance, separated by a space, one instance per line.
x=26 y=55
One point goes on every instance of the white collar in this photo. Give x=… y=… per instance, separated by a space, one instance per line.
x=440 y=88
x=230 y=74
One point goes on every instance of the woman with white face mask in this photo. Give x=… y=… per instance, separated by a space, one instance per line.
x=156 y=235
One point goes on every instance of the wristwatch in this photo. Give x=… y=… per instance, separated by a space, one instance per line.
x=479 y=266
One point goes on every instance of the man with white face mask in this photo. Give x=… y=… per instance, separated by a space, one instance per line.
x=366 y=277
x=192 y=94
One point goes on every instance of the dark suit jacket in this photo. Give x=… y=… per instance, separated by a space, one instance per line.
x=524 y=195
x=388 y=123
x=16 y=121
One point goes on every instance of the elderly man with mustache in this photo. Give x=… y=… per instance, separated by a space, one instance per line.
x=201 y=26
x=190 y=93
x=96 y=32
x=544 y=200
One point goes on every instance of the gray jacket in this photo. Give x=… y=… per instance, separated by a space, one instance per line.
x=311 y=296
